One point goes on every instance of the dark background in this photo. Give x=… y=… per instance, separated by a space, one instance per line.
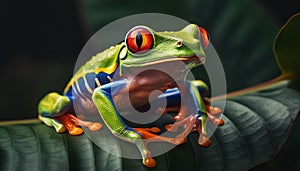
x=42 y=39
x=41 y=42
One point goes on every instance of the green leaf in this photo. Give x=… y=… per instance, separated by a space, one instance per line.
x=256 y=125
x=287 y=49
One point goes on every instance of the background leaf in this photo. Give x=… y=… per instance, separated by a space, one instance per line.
x=286 y=49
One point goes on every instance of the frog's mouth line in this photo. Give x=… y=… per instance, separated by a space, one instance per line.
x=176 y=66
x=201 y=60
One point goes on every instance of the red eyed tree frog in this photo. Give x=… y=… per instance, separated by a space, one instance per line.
x=100 y=85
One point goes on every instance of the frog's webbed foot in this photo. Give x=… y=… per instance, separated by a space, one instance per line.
x=191 y=124
x=203 y=140
x=72 y=123
x=187 y=124
x=135 y=136
x=150 y=135
x=69 y=122
x=194 y=123
x=213 y=114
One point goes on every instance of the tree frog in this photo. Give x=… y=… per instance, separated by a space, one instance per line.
x=102 y=83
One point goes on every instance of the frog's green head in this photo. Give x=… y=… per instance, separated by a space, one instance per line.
x=145 y=47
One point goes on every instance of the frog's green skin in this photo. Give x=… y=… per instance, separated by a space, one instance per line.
x=100 y=84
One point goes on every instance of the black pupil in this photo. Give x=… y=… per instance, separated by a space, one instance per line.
x=139 y=39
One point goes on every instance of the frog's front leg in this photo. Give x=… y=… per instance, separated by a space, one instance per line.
x=103 y=99
x=53 y=111
x=211 y=111
x=192 y=94
x=174 y=98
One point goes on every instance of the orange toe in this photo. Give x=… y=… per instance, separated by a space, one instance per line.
x=169 y=127
x=214 y=110
x=149 y=162
x=181 y=141
x=154 y=129
x=75 y=131
x=204 y=141
x=95 y=126
x=219 y=122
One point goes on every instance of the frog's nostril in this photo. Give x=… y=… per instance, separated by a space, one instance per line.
x=179 y=43
x=204 y=37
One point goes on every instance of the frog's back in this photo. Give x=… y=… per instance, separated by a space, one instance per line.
x=99 y=70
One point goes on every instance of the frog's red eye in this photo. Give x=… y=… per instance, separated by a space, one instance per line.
x=139 y=40
x=204 y=37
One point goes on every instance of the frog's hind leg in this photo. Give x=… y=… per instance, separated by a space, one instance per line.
x=52 y=106
x=59 y=127
x=52 y=111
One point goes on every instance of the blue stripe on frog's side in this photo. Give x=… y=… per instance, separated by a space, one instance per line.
x=84 y=86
